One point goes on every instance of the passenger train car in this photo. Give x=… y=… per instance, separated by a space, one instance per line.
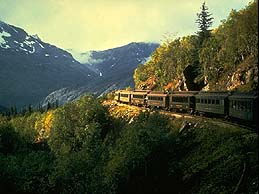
x=183 y=101
x=234 y=105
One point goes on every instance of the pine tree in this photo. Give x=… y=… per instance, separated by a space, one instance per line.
x=204 y=21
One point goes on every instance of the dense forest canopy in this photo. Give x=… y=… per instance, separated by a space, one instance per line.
x=225 y=59
x=86 y=147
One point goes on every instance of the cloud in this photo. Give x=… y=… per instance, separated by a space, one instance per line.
x=101 y=24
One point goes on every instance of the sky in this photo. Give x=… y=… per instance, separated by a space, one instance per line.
x=84 y=25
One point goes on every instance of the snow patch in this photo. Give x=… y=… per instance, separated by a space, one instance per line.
x=146 y=59
x=2 y=40
x=29 y=44
x=36 y=36
x=85 y=57
x=13 y=29
x=40 y=45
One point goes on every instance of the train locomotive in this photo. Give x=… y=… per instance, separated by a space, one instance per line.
x=241 y=107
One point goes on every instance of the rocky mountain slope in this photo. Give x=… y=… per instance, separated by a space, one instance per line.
x=226 y=60
x=114 y=67
x=30 y=69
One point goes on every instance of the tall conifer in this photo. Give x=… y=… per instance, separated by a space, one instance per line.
x=204 y=22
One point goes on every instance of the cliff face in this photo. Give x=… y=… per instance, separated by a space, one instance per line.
x=245 y=77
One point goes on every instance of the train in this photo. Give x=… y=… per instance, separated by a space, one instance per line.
x=237 y=106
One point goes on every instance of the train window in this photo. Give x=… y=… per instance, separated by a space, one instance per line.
x=180 y=99
x=213 y=101
x=124 y=95
x=245 y=105
x=249 y=107
x=155 y=98
x=209 y=101
x=202 y=101
x=205 y=101
x=233 y=104
x=198 y=100
x=242 y=106
x=238 y=105
x=217 y=101
x=137 y=96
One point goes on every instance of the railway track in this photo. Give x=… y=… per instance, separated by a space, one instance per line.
x=226 y=121
x=217 y=120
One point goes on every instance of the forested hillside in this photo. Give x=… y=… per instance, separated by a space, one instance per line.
x=89 y=147
x=225 y=59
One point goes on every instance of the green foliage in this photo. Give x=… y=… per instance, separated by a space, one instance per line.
x=28 y=172
x=80 y=171
x=25 y=126
x=73 y=122
x=9 y=139
x=91 y=151
x=211 y=159
x=212 y=56
x=231 y=44
x=135 y=144
x=168 y=62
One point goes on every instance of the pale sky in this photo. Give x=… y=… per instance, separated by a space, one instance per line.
x=85 y=25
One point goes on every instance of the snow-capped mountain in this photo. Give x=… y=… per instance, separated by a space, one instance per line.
x=30 y=69
x=117 y=65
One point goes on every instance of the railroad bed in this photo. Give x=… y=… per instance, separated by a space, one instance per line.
x=131 y=111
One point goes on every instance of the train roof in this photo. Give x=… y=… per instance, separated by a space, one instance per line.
x=238 y=95
x=125 y=91
x=214 y=93
x=184 y=93
x=157 y=94
x=139 y=92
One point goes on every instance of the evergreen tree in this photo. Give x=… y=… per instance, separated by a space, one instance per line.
x=204 y=21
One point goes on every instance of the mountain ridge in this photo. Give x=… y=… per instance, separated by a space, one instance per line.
x=115 y=68
x=31 y=69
